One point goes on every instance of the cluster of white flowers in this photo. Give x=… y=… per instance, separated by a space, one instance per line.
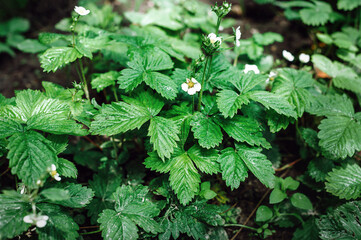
x=251 y=67
x=38 y=220
x=191 y=86
x=53 y=173
x=213 y=38
x=81 y=11
x=304 y=58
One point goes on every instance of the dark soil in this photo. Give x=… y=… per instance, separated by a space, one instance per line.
x=23 y=71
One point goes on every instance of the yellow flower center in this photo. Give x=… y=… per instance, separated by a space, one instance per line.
x=53 y=173
x=190 y=84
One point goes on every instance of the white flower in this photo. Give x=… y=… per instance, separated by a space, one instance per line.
x=238 y=36
x=191 y=86
x=271 y=75
x=81 y=11
x=213 y=38
x=288 y=55
x=40 y=221
x=305 y=58
x=53 y=173
x=251 y=67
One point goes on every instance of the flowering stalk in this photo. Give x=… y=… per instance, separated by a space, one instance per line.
x=202 y=84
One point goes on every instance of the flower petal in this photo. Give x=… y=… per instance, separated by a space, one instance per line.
x=184 y=87
x=192 y=91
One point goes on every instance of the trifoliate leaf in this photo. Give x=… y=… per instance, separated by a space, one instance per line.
x=342 y=223
x=347 y=4
x=205 y=160
x=164 y=135
x=301 y=201
x=144 y=69
x=117 y=226
x=57 y=57
x=184 y=178
x=291 y=84
x=229 y=102
x=67 y=168
x=340 y=136
x=132 y=208
x=345 y=182
x=257 y=163
x=104 y=80
x=206 y=130
x=316 y=15
x=273 y=101
x=234 y=170
x=59 y=226
x=79 y=196
x=12 y=211
x=120 y=117
x=244 y=129
x=30 y=155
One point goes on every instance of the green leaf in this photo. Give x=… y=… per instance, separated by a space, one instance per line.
x=59 y=226
x=205 y=160
x=273 y=101
x=347 y=4
x=66 y=168
x=234 y=170
x=163 y=135
x=244 y=129
x=277 y=122
x=49 y=38
x=340 y=136
x=316 y=15
x=184 y=178
x=308 y=231
x=6 y=49
x=342 y=223
x=132 y=208
x=55 y=194
x=248 y=81
x=8 y=126
x=57 y=57
x=229 y=102
x=162 y=84
x=156 y=164
x=31 y=46
x=263 y=214
x=277 y=196
x=290 y=183
x=117 y=226
x=206 y=131
x=345 y=182
x=267 y=38
x=104 y=80
x=300 y=200
x=30 y=155
x=120 y=117
x=18 y=25
x=79 y=196
x=291 y=84
x=206 y=191
x=257 y=163
x=12 y=211
x=332 y=105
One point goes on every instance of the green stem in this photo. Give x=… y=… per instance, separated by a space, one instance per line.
x=235 y=60
x=294 y=215
x=115 y=94
x=202 y=84
x=87 y=233
x=218 y=24
x=192 y=104
x=85 y=85
x=240 y=225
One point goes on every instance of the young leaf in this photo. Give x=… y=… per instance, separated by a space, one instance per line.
x=59 y=226
x=345 y=182
x=120 y=117
x=234 y=170
x=205 y=160
x=291 y=84
x=257 y=163
x=300 y=200
x=30 y=155
x=12 y=212
x=263 y=214
x=316 y=15
x=57 y=57
x=55 y=194
x=206 y=131
x=67 y=168
x=277 y=196
x=340 y=136
x=163 y=134
x=104 y=80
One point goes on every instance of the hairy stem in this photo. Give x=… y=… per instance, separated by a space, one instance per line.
x=202 y=84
